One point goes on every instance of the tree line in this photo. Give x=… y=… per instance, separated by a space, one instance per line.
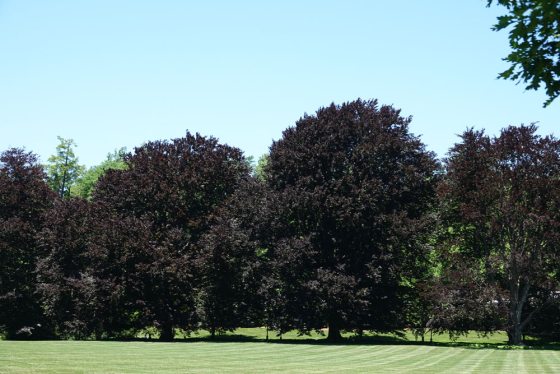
x=349 y=223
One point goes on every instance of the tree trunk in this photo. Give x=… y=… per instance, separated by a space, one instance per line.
x=515 y=336
x=166 y=332
x=515 y=331
x=334 y=332
x=517 y=299
x=63 y=186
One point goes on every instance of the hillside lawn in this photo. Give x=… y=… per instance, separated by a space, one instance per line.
x=247 y=352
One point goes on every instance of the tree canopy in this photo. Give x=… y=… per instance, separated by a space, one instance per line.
x=24 y=199
x=501 y=210
x=173 y=187
x=355 y=191
x=63 y=168
x=84 y=185
x=348 y=223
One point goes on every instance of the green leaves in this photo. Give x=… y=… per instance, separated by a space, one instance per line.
x=63 y=167
x=535 y=43
x=85 y=184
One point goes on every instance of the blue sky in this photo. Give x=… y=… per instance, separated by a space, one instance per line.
x=121 y=72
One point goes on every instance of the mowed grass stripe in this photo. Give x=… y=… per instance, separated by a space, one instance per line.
x=251 y=357
x=454 y=361
x=431 y=359
x=363 y=357
x=478 y=361
x=544 y=361
x=371 y=358
x=550 y=363
x=354 y=358
x=402 y=356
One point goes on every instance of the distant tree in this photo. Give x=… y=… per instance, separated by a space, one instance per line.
x=501 y=207
x=63 y=168
x=260 y=168
x=534 y=38
x=24 y=197
x=173 y=187
x=84 y=185
x=355 y=189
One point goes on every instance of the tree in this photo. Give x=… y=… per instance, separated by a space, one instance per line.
x=172 y=187
x=63 y=168
x=501 y=210
x=85 y=184
x=24 y=198
x=232 y=260
x=260 y=168
x=66 y=287
x=87 y=275
x=458 y=300
x=355 y=190
x=535 y=42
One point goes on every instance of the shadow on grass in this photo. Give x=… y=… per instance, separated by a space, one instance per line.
x=533 y=344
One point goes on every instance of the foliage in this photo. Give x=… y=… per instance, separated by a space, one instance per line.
x=260 y=168
x=534 y=38
x=87 y=276
x=68 y=290
x=355 y=188
x=63 y=168
x=336 y=227
x=24 y=197
x=231 y=260
x=459 y=300
x=84 y=185
x=501 y=205
x=173 y=187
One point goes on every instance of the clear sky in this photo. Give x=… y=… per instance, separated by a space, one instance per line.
x=112 y=73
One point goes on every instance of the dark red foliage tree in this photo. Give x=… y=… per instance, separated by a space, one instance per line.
x=173 y=187
x=87 y=276
x=458 y=300
x=232 y=260
x=24 y=197
x=501 y=207
x=66 y=285
x=356 y=188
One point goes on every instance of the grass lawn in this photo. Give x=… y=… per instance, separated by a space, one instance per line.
x=245 y=352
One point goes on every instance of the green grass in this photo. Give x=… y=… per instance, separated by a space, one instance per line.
x=246 y=352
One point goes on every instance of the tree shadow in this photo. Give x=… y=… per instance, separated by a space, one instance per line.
x=370 y=340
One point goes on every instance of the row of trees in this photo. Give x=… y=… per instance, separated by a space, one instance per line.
x=349 y=223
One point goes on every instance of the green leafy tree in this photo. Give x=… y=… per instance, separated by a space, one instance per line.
x=63 y=168
x=534 y=38
x=85 y=184
x=260 y=167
